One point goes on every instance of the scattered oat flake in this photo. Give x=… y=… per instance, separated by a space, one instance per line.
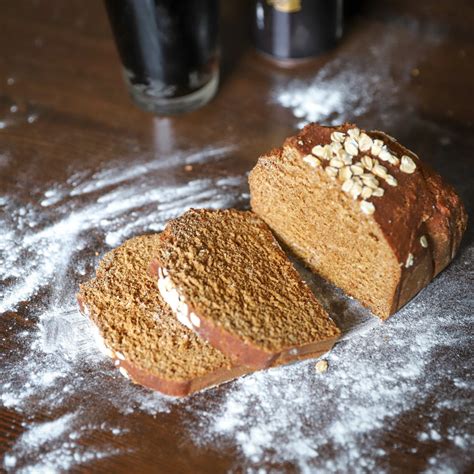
x=321 y=366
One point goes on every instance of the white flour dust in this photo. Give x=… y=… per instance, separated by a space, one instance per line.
x=348 y=86
x=332 y=422
x=403 y=376
x=47 y=247
x=61 y=438
x=50 y=248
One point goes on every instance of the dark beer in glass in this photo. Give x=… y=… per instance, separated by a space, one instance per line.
x=169 y=51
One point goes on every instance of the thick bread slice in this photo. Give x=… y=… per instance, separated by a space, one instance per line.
x=225 y=276
x=139 y=330
x=361 y=210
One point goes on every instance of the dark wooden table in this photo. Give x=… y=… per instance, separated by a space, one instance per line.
x=403 y=67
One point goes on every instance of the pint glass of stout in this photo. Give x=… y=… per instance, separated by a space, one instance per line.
x=169 y=51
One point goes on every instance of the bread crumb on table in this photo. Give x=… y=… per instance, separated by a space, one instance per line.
x=321 y=366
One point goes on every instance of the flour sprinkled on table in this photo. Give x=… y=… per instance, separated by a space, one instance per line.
x=376 y=377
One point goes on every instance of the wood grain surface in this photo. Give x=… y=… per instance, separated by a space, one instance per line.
x=60 y=72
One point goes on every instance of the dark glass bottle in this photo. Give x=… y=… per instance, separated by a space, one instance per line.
x=297 y=29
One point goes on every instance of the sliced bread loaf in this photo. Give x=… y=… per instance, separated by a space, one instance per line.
x=361 y=210
x=139 y=330
x=226 y=277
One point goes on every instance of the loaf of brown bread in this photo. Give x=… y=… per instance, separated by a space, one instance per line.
x=139 y=330
x=226 y=277
x=361 y=210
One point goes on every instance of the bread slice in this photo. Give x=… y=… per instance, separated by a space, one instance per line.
x=361 y=210
x=139 y=330
x=226 y=277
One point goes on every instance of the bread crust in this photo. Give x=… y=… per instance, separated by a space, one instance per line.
x=240 y=351
x=422 y=205
x=176 y=388
x=248 y=354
